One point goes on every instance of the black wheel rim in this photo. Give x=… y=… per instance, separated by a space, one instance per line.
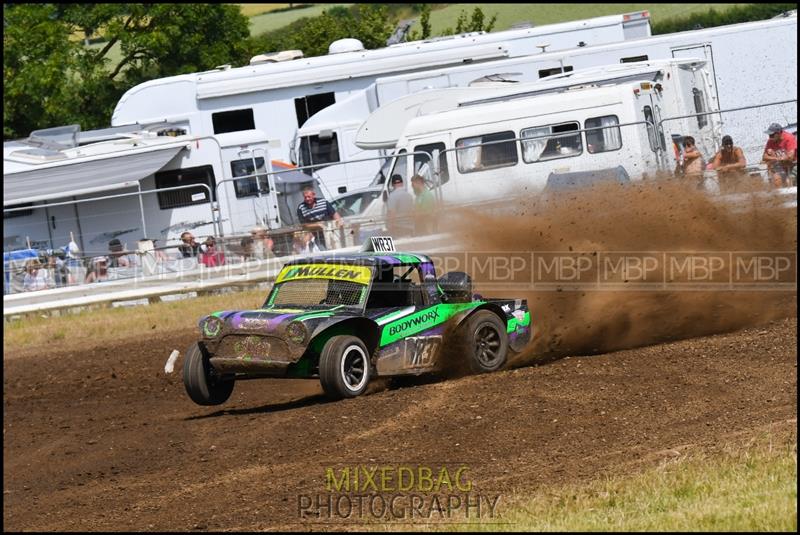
x=487 y=345
x=354 y=368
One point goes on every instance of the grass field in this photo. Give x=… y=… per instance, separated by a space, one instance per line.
x=750 y=486
x=539 y=14
x=268 y=22
x=101 y=324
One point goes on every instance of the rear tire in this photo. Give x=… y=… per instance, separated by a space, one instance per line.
x=344 y=367
x=487 y=342
x=203 y=384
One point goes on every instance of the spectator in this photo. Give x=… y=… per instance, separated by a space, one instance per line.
x=59 y=270
x=305 y=243
x=247 y=248
x=730 y=164
x=262 y=244
x=780 y=154
x=693 y=165
x=399 y=208
x=188 y=247
x=424 y=206
x=98 y=270
x=312 y=212
x=36 y=277
x=117 y=257
x=210 y=256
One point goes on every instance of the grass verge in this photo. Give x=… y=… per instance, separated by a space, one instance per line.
x=107 y=324
x=743 y=487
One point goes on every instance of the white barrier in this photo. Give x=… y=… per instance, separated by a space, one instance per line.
x=202 y=279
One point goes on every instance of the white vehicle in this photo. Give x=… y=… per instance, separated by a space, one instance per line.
x=548 y=133
x=210 y=185
x=276 y=93
x=743 y=61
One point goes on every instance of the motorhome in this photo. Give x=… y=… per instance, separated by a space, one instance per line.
x=741 y=59
x=144 y=182
x=605 y=120
x=276 y=93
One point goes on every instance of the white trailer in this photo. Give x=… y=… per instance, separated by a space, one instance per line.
x=145 y=182
x=498 y=146
x=742 y=58
x=276 y=93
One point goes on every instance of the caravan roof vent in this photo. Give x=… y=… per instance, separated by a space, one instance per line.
x=345 y=45
x=275 y=57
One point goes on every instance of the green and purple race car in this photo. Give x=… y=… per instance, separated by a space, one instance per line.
x=346 y=319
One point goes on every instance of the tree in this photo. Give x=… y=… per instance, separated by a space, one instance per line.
x=424 y=23
x=51 y=79
x=474 y=24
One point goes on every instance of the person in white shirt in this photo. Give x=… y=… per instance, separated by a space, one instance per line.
x=36 y=277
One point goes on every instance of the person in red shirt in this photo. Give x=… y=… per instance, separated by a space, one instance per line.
x=210 y=255
x=779 y=154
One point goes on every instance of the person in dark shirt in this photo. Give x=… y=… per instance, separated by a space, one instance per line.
x=312 y=212
x=188 y=247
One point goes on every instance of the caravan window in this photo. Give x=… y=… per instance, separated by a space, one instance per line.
x=483 y=152
x=185 y=177
x=554 y=70
x=423 y=166
x=699 y=107
x=319 y=151
x=604 y=140
x=551 y=148
x=249 y=186
x=307 y=106
x=233 y=121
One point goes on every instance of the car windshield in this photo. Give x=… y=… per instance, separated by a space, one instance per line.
x=321 y=285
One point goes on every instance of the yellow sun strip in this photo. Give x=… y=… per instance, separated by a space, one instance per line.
x=357 y=274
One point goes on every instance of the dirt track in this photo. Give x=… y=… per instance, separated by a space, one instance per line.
x=103 y=440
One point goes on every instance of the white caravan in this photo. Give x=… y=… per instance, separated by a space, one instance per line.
x=155 y=182
x=746 y=67
x=276 y=93
x=551 y=133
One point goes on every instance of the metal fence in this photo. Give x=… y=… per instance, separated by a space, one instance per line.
x=529 y=163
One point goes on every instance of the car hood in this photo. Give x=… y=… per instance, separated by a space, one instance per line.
x=268 y=321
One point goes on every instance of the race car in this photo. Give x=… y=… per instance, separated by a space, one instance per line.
x=346 y=319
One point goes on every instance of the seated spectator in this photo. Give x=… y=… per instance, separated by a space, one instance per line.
x=98 y=269
x=262 y=244
x=117 y=256
x=188 y=247
x=210 y=256
x=305 y=243
x=58 y=268
x=36 y=277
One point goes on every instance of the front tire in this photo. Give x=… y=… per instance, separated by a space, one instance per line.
x=487 y=342
x=344 y=368
x=203 y=384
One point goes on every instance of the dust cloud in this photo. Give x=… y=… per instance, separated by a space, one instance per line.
x=642 y=219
